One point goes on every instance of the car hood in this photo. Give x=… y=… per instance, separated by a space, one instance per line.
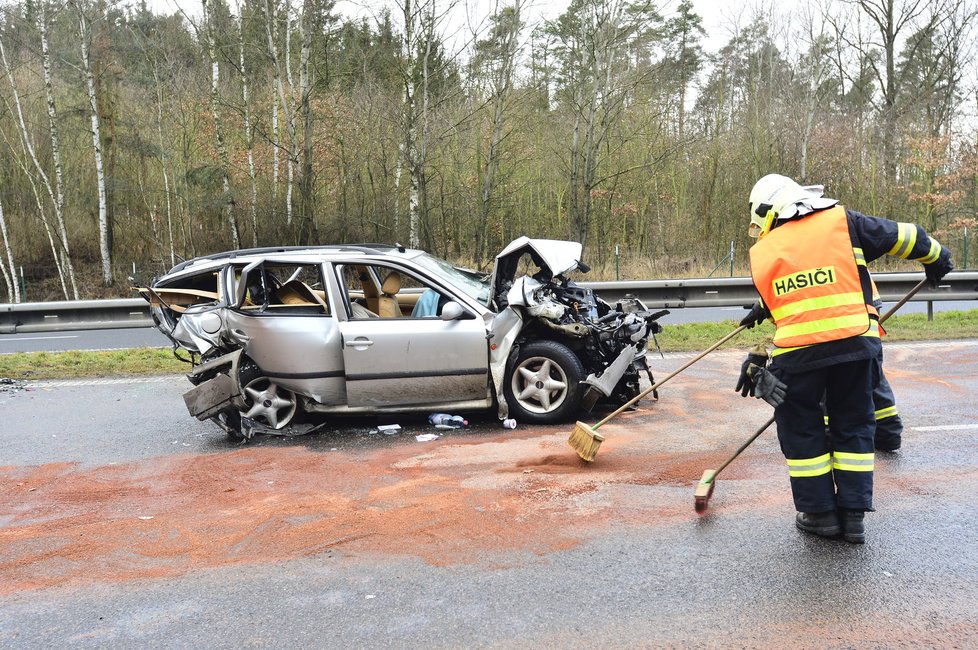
x=554 y=257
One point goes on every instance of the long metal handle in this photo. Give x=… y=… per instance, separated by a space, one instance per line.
x=671 y=375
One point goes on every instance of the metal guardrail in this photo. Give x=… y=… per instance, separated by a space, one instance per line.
x=657 y=294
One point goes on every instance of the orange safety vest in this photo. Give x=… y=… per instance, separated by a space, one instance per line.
x=806 y=273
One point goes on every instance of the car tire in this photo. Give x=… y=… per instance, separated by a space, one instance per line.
x=543 y=383
x=250 y=376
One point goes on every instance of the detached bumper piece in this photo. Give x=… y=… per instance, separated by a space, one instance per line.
x=209 y=398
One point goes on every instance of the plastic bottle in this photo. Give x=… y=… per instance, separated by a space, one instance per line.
x=456 y=421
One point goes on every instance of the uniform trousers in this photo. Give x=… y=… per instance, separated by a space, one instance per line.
x=834 y=469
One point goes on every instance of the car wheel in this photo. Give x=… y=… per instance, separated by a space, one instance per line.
x=265 y=402
x=543 y=384
x=268 y=403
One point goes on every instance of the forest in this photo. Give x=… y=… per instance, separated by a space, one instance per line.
x=132 y=140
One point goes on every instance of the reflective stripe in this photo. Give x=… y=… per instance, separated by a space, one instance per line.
x=826 y=418
x=849 y=462
x=823 y=325
x=860 y=256
x=872 y=332
x=802 y=467
x=906 y=238
x=933 y=254
x=888 y=412
x=822 y=302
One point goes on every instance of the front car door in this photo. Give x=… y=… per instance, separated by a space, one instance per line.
x=406 y=361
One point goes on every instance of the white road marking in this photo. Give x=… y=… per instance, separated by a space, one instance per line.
x=948 y=427
x=103 y=381
x=35 y=338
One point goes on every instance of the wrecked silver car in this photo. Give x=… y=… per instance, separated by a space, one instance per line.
x=278 y=336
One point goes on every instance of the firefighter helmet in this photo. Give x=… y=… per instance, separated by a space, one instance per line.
x=778 y=197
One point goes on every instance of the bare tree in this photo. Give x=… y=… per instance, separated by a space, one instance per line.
x=61 y=252
x=10 y=279
x=249 y=133
x=285 y=101
x=496 y=57
x=84 y=34
x=891 y=20
x=227 y=200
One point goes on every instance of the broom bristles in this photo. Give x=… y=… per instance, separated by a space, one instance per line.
x=585 y=441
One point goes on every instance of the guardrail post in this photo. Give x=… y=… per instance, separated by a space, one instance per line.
x=930 y=310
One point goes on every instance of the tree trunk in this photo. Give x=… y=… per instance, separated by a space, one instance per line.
x=306 y=178
x=103 y=219
x=62 y=253
x=249 y=137
x=227 y=199
x=13 y=287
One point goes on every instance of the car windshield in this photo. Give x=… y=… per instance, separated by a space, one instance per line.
x=471 y=282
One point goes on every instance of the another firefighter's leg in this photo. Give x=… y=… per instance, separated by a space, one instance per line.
x=889 y=427
x=801 y=432
x=852 y=422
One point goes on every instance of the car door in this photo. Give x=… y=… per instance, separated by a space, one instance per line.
x=405 y=361
x=287 y=327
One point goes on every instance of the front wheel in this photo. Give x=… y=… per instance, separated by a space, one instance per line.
x=543 y=383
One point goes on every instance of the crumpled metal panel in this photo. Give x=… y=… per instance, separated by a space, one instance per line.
x=505 y=328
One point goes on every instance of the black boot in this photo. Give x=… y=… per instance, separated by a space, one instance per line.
x=823 y=524
x=853 y=529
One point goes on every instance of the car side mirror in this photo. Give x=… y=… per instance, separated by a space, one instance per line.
x=452 y=311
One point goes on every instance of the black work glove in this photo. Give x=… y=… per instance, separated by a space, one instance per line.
x=940 y=268
x=758 y=314
x=745 y=385
x=766 y=386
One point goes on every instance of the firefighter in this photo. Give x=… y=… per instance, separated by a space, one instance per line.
x=809 y=267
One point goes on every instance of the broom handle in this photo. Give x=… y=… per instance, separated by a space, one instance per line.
x=671 y=375
x=903 y=301
x=745 y=445
x=890 y=312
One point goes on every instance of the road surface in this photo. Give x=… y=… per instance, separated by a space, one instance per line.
x=125 y=523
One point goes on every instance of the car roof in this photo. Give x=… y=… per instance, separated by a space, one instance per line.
x=245 y=255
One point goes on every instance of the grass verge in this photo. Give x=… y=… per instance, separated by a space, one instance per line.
x=691 y=337
x=97 y=363
x=947 y=325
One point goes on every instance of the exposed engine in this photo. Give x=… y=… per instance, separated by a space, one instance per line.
x=610 y=340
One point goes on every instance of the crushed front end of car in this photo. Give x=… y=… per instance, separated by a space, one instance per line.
x=543 y=316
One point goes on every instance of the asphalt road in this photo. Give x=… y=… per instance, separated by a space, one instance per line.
x=151 y=337
x=124 y=523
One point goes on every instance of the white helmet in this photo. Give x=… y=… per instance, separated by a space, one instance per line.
x=778 y=197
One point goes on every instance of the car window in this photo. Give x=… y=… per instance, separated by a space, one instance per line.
x=474 y=284
x=281 y=288
x=379 y=291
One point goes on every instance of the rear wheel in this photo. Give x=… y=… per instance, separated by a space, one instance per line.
x=266 y=402
x=543 y=383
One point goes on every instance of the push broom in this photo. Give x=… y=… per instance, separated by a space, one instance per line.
x=585 y=438
x=704 y=489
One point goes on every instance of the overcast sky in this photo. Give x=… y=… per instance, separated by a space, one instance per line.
x=718 y=17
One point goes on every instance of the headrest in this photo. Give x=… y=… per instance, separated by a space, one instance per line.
x=392 y=283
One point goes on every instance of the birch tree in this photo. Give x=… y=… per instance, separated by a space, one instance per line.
x=61 y=251
x=103 y=219
x=249 y=133
x=227 y=199
x=10 y=279
x=286 y=102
